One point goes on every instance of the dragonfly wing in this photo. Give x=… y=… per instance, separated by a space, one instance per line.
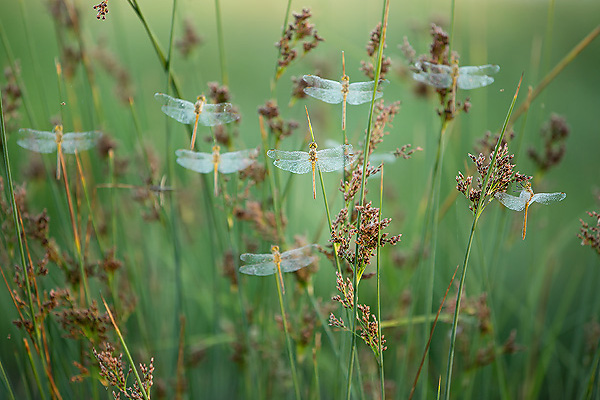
x=297 y=162
x=217 y=114
x=437 y=75
x=235 y=161
x=330 y=96
x=323 y=89
x=178 y=109
x=318 y=82
x=251 y=258
x=468 y=82
x=79 y=141
x=38 y=141
x=362 y=92
x=295 y=259
x=329 y=160
x=195 y=161
x=513 y=202
x=547 y=198
x=260 y=269
x=488 y=69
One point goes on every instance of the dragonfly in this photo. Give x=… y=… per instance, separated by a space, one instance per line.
x=49 y=142
x=442 y=76
x=301 y=162
x=525 y=199
x=288 y=261
x=216 y=162
x=157 y=190
x=187 y=112
x=334 y=92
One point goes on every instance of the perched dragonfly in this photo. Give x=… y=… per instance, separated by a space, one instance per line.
x=158 y=190
x=216 y=162
x=525 y=199
x=187 y=112
x=288 y=261
x=49 y=142
x=442 y=76
x=301 y=162
x=334 y=92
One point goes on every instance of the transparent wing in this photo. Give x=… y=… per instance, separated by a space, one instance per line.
x=295 y=259
x=323 y=89
x=256 y=258
x=79 y=141
x=261 y=269
x=513 y=202
x=297 y=162
x=547 y=198
x=318 y=82
x=38 y=141
x=195 y=161
x=468 y=82
x=235 y=161
x=436 y=75
x=217 y=114
x=329 y=160
x=362 y=92
x=488 y=69
x=476 y=76
x=178 y=109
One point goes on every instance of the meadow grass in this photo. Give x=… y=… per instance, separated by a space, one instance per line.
x=523 y=323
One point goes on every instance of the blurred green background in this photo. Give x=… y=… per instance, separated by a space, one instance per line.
x=544 y=287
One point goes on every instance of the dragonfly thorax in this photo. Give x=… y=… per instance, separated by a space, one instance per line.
x=312 y=151
x=58 y=131
x=200 y=100
x=345 y=84
x=216 y=154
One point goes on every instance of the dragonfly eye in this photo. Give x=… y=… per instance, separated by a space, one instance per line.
x=216 y=148
x=274 y=249
x=58 y=129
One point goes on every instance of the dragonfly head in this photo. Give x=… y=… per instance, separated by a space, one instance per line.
x=216 y=148
x=274 y=249
x=345 y=79
x=312 y=146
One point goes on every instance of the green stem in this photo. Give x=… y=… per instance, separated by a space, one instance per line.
x=484 y=199
x=13 y=203
x=288 y=340
x=127 y=353
x=224 y=77
x=380 y=344
x=6 y=381
x=386 y=8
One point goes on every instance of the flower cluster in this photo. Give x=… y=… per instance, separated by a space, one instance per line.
x=554 y=134
x=501 y=175
x=590 y=235
x=278 y=126
x=112 y=369
x=368 y=325
x=294 y=33
x=372 y=49
x=189 y=41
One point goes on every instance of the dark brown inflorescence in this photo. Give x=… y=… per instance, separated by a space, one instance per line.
x=590 y=234
x=367 y=67
x=295 y=32
x=501 y=176
x=554 y=134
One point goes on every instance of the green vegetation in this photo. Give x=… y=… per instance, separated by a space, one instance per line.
x=133 y=259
